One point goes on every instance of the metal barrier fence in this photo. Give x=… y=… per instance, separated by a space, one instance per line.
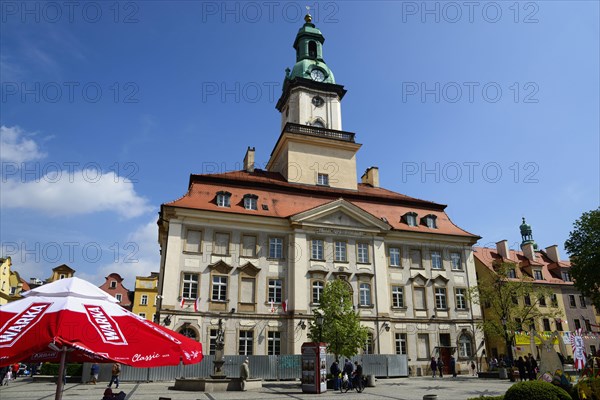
x=265 y=367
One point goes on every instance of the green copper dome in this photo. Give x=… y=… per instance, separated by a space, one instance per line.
x=527 y=234
x=309 y=55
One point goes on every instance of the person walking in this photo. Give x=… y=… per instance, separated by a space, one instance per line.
x=453 y=366
x=433 y=366
x=521 y=367
x=534 y=365
x=440 y=365
x=115 y=372
x=94 y=371
x=358 y=376
x=348 y=370
x=335 y=373
x=244 y=374
x=473 y=368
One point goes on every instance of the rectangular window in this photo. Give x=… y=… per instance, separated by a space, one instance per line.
x=461 y=299
x=456 y=261
x=415 y=258
x=113 y=284
x=553 y=300
x=511 y=273
x=572 y=300
x=193 y=240
x=546 y=324
x=542 y=301
x=423 y=346
x=274 y=343
x=219 y=289
x=362 y=250
x=588 y=326
x=420 y=303
x=317 y=249
x=118 y=296
x=275 y=247
x=323 y=179
x=582 y=301
x=317 y=291
x=411 y=219
x=577 y=324
x=275 y=290
x=340 y=251
x=537 y=274
x=527 y=300
x=365 y=294
x=558 y=323
x=212 y=345
x=397 y=296
x=566 y=276
x=248 y=246
x=246 y=343
x=250 y=203
x=394 y=256
x=223 y=199
x=436 y=260
x=190 y=286
x=440 y=298
x=144 y=300
x=400 y=343
x=222 y=244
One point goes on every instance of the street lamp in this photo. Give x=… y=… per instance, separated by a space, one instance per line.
x=319 y=321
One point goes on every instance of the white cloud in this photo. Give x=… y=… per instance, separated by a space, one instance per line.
x=138 y=256
x=16 y=147
x=79 y=192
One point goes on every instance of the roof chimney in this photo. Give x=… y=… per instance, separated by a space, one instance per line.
x=552 y=253
x=528 y=251
x=502 y=248
x=249 y=160
x=371 y=177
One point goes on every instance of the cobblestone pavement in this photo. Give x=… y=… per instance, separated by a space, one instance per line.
x=459 y=388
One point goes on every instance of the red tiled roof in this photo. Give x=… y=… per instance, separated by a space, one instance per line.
x=285 y=199
x=489 y=257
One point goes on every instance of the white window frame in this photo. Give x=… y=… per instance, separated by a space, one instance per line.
x=436 y=260
x=317 y=249
x=456 y=261
x=441 y=298
x=394 y=255
x=322 y=179
x=251 y=202
x=144 y=300
x=364 y=294
x=275 y=290
x=317 y=291
x=190 y=283
x=362 y=253
x=275 y=247
x=273 y=343
x=113 y=284
x=461 y=298
x=538 y=275
x=465 y=346
x=246 y=343
x=224 y=199
x=219 y=285
x=119 y=297
x=341 y=254
x=400 y=343
x=397 y=297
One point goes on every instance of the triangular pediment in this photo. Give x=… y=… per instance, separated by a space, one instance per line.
x=419 y=279
x=249 y=269
x=340 y=214
x=440 y=280
x=221 y=267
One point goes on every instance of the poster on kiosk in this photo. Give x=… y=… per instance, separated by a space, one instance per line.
x=314 y=368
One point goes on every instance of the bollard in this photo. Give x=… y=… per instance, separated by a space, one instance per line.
x=430 y=397
x=370 y=380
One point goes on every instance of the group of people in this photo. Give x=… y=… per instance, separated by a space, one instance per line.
x=528 y=367
x=9 y=373
x=354 y=374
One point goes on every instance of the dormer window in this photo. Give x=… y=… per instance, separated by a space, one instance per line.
x=566 y=276
x=250 y=202
x=411 y=218
x=537 y=275
x=113 y=284
x=430 y=221
x=223 y=199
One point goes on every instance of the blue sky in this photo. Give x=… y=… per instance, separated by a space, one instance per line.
x=106 y=108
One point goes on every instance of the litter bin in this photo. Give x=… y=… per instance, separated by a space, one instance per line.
x=370 y=380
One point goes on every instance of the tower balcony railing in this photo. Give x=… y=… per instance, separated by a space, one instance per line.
x=319 y=132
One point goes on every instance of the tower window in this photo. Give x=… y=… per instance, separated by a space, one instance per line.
x=323 y=179
x=312 y=49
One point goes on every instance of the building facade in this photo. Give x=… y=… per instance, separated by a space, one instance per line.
x=5 y=272
x=255 y=247
x=114 y=286
x=145 y=296
x=543 y=268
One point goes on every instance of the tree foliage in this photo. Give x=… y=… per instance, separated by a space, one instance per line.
x=503 y=298
x=583 y=247
x=341 y=328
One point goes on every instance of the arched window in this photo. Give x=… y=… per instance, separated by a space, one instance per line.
x=312 y=49
x=318 y=123
x=189 y=332
x=465 y=346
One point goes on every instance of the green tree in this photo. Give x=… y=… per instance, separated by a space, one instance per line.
x=511 y=304
x=341 y=328
x=583 y=247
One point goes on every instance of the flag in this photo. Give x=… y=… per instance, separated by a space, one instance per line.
x=284 y=305
x=197 y=304
x=182 y=301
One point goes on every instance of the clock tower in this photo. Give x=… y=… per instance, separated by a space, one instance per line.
x=313 y=149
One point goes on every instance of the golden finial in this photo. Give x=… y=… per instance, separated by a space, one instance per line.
x=308 y=17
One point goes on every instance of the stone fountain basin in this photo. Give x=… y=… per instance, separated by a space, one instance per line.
x=215 y=385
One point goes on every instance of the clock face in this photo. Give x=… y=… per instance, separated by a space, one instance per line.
x=317 y=75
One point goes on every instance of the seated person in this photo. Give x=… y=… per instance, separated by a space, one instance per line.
x=109 y=395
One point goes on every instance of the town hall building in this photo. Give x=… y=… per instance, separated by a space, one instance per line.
x=256 y=247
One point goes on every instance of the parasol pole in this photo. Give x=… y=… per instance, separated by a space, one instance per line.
x=61 y=372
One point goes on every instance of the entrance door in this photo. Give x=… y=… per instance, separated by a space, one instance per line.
x=445 y=351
